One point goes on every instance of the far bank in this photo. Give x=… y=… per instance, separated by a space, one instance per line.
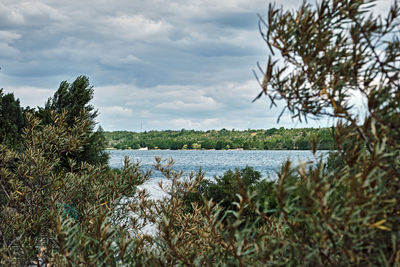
x=271 y=139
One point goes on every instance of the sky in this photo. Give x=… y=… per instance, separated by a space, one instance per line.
x=154 y=64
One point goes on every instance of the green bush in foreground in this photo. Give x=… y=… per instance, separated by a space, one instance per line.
x=39 y=198
x=225 y=189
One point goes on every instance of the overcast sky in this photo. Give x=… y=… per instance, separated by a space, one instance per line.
x=155 y=64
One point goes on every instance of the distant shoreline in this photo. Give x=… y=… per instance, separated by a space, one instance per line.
x=271 y=139
x=111 y=148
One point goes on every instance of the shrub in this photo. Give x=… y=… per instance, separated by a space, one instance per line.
x=225 y=190
x=43 y=204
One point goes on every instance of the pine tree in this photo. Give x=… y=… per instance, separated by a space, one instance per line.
x=11 y=120
x=74 y=99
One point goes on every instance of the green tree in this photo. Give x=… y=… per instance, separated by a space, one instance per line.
x=220 y=145
x=74 y=98
x=11 y=120
x=302 y=144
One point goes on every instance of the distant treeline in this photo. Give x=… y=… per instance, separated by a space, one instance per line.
x=271 y=139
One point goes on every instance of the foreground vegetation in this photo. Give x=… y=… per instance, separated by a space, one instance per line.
x=58 y=209
x=272 y=139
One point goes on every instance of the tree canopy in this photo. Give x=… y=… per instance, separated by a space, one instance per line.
x=74 y=99
x=12 y=120
x=278 y=139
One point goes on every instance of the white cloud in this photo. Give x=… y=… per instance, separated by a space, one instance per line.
x=116 y=111
x=199 y=104
x=134 y=27
x=33 y=10
x=30 y=96
x=7 y=36
x=130 y=59
x=183 y=123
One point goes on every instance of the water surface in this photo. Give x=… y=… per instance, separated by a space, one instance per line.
x=214 y=162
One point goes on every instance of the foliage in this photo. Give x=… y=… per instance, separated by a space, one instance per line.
x=225 y=189
x=39 y=201
x=271 y=139
x=74 y=98
x=11 y=120
x=347 y=214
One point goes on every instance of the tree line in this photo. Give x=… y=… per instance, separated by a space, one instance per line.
x=271 y=139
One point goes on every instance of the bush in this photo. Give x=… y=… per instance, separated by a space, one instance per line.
x=225 y=190
x=346 y=213
x=54 y=214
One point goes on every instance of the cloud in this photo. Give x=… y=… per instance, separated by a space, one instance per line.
x=116 y=111
x=134 y=27
x=9 y=15
x=181 y=123
x=156 y=63
x=97 y=39
x=30 y=96
x=225 y=105
x=7 y=38
x=36 y=11
x=7 y=51
x=202 y=103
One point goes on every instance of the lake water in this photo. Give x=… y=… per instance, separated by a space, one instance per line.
x=214 y=162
